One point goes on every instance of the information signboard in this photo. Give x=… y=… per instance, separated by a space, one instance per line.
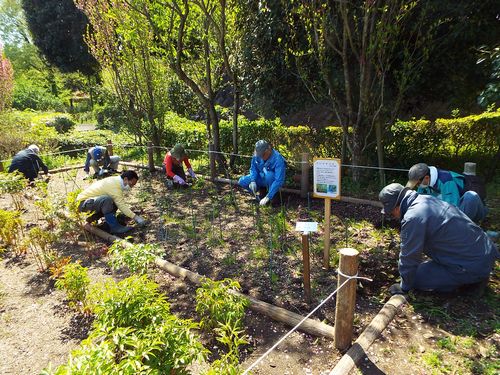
x=326 y=178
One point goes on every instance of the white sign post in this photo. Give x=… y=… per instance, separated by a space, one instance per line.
x=326 y=182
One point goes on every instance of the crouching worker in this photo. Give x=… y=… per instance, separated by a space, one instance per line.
x=173 y=165
x=267 y=170
x=28 y=163
x=105 y=196
x=97 y=157
x=459 y=252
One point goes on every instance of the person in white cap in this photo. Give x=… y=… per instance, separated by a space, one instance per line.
x=28 y=163
x=267 y=170
x=441 y=248
x=449 y=187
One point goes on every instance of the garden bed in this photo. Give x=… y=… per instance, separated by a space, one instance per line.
x=216 y=231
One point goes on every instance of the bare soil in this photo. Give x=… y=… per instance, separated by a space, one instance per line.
x=217 y=232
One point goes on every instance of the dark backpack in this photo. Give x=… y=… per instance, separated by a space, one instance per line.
x=475 y=183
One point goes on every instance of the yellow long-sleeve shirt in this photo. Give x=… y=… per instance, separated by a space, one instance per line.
x=110 y=186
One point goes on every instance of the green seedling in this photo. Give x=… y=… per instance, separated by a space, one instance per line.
x=75 y=282
x=11 y=231
x=137 y=258
x=13 y=184
x=41 y=247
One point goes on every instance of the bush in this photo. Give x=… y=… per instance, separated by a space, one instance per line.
x=61 y=124
x=75 y=282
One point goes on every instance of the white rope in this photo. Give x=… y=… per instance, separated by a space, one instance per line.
x=303 y=320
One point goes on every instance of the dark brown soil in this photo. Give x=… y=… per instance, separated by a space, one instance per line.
x=217 y=232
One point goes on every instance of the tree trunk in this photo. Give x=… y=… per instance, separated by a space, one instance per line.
x=357 y=154
x=236 y=109
x=380 y=152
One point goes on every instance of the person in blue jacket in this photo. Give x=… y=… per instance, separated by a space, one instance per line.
x=267 y=170
x=457 y=251
x=98 y=157
x=447 y=186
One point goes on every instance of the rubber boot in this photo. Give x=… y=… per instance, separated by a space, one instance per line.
x=114 y=226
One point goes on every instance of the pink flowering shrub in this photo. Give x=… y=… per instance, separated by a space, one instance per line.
x=6 y=82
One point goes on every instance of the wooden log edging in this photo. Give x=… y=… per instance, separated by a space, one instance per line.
x=280 y=314
x=358 y=350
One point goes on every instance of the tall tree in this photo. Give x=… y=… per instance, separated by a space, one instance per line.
x=57 y=27
x=358 y=46
x=123 y=44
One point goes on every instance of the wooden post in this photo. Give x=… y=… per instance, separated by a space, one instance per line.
x=304 y=178
x=306 y=272
x=110 y=147
x=151 y=159
x=211 y=155
x=326 y=250
x=358 y=351
x=1 y=166
x=346 y=298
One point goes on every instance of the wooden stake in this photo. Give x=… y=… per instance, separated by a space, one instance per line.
x=110 y=147
x=151 y=159
x=326 y=251
x=358 y=351
x=304 y=178
x=306 y=272
x=346 y=298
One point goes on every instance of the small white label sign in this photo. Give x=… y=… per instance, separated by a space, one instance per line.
x=306 y=226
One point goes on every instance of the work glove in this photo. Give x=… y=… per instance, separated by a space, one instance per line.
x=264 y=201
x=191 y=173
x=396 y=289
x=179 y=180
x=253 y=187
x=139 y=220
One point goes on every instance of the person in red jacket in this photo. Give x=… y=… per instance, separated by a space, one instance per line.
x=173 y=165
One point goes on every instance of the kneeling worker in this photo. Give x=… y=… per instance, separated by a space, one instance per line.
x=267 y=170
x=173 y=164
x=28 y=163
x=97 y=157
x=104 y=197
x=459 y=252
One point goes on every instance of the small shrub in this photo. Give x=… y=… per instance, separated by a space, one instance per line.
x=11 y=230
x=223 y=311
x=137 y=258
x=13 y=184
x=41 y=247
x=62 y=124
x=75 y=282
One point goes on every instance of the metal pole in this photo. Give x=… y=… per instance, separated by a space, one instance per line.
x=304 y=179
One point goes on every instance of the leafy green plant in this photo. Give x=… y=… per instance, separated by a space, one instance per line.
x=11 y=231
x=49 y=208
x=223 y=311
x=62 y=124
x=134 y=333
x=41 y=247
x=75 y=282
x=13 y=184
x=137 y=258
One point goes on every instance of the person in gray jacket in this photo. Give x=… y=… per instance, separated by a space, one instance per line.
x=459 y=252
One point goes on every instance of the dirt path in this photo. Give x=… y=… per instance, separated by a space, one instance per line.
x=35 y=325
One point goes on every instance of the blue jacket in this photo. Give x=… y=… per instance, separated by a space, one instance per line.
x=275 y=164
x=449 y=187
x=445 y=234
x=97 y=153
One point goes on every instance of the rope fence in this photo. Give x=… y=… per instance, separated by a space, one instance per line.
x=284 y=337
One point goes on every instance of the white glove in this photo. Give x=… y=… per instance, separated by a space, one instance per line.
x=264 y=201
x=253 y=187
x=179 y=180
x=139 y=220
x=191 y=173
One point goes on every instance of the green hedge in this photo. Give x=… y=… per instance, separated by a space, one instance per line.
x=447 y=143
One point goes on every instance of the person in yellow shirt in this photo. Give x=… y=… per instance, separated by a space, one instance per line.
x=105 y=196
